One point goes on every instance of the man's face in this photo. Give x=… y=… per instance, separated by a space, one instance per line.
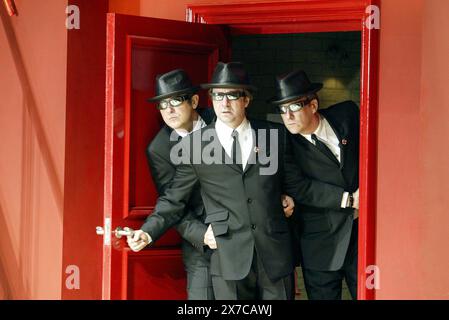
x=231 y=112
x=180 y=117
x=302 y=121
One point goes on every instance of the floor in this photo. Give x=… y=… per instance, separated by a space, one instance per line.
x=301 y=293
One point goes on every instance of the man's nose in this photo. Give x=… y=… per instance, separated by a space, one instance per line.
x=226 y=101
x=289 y=114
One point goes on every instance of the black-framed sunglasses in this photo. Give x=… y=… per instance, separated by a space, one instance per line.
x=293 y=107
x=172 y=102
x=231 y=96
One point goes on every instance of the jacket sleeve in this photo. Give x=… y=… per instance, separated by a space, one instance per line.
x=171 y=205
x=161 y=170
x=304 y=190
x=189 y=227
x=192 y=229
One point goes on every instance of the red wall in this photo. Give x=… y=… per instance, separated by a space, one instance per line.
x=400 y=219
x=33 y=51
x=435 y=160
x=413 y=166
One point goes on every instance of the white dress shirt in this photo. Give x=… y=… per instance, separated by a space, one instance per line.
x=224 y=133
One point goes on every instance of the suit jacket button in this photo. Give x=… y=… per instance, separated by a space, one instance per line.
x=253 y=226
x=250 y=200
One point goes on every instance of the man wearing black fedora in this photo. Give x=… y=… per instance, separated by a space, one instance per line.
x=246 y=224
x=177 y=100
x=326 y=148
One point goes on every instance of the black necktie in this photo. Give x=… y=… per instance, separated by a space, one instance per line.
x=323 y=148
x=236 y=150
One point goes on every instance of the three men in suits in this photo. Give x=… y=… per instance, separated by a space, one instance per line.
x=326 y=148
x=240 y=192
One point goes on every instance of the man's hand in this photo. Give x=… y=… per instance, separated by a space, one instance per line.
x=288 y=204
x=138 y=240
x=209 y=238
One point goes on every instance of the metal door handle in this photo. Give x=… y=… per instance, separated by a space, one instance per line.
x=118 y=232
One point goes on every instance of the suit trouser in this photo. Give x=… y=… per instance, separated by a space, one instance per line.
x=327 y=285
x=199 y=284
x=197 y=266
x=255 y=286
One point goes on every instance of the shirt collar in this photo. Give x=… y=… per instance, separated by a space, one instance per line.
x=321 y=131
x=224 y=130
x=198 y=124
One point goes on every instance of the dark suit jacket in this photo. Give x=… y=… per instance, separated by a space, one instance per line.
x=191 y=227
x=325 y=227
x=243 y=207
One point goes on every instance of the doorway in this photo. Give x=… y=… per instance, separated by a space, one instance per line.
x=332 y=58
x=291 y=18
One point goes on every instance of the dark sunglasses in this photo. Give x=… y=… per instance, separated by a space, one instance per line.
x=172 y=102
x=231 y=96
x=293 y=107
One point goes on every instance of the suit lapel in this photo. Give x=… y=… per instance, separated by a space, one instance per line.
x=311 y=148
x=341 y=133
x=253 y=155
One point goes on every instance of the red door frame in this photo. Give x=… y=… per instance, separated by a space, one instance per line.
x=302 y=16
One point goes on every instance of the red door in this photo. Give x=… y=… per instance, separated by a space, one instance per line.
x=137 y=50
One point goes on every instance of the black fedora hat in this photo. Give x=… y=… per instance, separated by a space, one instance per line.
x=292 y=86
x=173 y=83
x=229 y=75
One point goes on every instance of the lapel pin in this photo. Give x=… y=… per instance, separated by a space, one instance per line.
x=256 y=149
x=344 y=142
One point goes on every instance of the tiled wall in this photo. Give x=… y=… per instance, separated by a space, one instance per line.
x=330 y=58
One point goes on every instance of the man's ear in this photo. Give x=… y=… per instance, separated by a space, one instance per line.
x=195 y=99
x=247 y=101
x=314 y=105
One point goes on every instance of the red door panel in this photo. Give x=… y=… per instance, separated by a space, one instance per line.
x=156 y=274
x=137 y=50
